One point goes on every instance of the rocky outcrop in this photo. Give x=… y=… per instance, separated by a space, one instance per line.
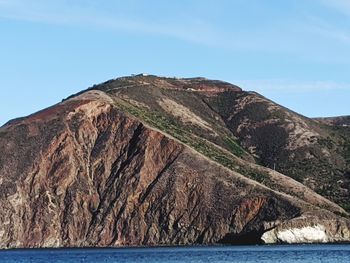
x=306 y=229
x=107 y=168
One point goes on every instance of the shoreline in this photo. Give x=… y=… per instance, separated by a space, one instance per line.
x=186 y=247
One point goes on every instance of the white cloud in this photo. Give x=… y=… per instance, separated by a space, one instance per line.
x=187 y=28
x=329 y=28
x=329 y=32
x=342 y=6
x=288 y=86
x=334 y=33
x=285 y=37
x=61 y=13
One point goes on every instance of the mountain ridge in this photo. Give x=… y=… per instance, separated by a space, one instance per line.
x=145 y=160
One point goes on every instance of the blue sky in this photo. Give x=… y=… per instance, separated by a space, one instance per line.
x=296 y=52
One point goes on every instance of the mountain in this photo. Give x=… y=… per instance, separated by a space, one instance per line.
x=147 y=160
x=343 y=121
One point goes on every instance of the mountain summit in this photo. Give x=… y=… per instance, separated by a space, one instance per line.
x=147 y=160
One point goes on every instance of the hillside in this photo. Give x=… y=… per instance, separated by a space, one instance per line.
x=246 y=124
x=146 y=160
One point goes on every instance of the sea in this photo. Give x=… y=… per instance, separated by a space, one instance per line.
x=275 y=253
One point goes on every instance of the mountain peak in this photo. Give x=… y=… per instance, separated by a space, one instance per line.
x=196 y=84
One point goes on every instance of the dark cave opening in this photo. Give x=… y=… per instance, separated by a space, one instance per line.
x=250 y=238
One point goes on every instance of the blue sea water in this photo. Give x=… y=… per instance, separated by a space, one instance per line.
x=293 y=253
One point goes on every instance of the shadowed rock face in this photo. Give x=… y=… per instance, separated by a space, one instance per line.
x=146 y=161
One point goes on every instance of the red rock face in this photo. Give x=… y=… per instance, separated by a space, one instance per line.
x=84 y=173
x=105 y=179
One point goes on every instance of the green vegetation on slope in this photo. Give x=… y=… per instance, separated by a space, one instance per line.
x=234 y=147
x=210 y=150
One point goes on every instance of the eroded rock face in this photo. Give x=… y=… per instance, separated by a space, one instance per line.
x=87 y=172
x=106 y=179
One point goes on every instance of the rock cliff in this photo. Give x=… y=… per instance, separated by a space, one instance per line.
x=158 y=161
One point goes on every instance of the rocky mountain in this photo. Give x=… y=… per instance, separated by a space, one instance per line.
x=147 y=160
x=343 y=121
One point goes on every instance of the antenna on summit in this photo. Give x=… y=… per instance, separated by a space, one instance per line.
x=139 y=75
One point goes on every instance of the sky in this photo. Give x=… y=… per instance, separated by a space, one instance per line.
x=295 y=52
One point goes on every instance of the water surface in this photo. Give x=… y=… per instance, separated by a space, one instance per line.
x=293 y=253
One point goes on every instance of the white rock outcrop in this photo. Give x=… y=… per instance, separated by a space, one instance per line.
x=308 y=234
